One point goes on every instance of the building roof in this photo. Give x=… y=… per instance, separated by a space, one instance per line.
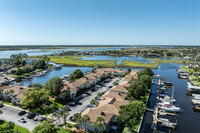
x=73 y=85
x=116 y=95
x=111 y=105
x=120 y=88
x=18 y=91
x=95 y=113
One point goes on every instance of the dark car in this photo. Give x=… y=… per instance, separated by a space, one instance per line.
x=93 y=89
x=72 y=118
x=31 y=115
x=72 y=104
x=88 y=94
x=110 y=86
x=22 y=113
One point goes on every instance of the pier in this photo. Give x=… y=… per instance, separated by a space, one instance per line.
x=157 y=112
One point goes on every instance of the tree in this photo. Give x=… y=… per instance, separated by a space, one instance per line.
x=130 y=114
x=54 y=86
x=33 y=98
x=94 y=101
x=98 y=124
x=39 y=64
x=59 y=115
x=76 y=75
x=45 y=108
x=85 y=119
x=136 y=89
x=52 y=106
x=9 y=126
x=128 y=70
x=12 y=91
x=45 y=58
x=19 y=72
x=64 y=113
x=78 y=118
x=45 y=128
x=65 y=95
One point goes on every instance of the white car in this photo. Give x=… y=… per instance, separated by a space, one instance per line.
x=22 y=120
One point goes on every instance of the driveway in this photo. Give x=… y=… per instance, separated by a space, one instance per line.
x=11 y=114
x=86 y=100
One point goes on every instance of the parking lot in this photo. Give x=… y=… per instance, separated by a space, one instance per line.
x=86 y=100
x=11 y=114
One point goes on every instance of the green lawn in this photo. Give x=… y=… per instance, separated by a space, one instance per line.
x=77 y=61
x=138 y=64
x=127 y=131
x=20 y=129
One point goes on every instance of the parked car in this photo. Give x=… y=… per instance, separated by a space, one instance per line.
x=36 y=118
x=22 y=113
x=72 y=104
x=71 y=118
x=90 y=105
x=22 y=120
x=88 y=94
x=31 y=115
x=93 y=89
x=84 y=95
x=41 y=118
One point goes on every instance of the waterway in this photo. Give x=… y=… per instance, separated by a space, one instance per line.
x=188 y=120
x=35 y=52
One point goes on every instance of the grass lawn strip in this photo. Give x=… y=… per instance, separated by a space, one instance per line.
x=20 y=129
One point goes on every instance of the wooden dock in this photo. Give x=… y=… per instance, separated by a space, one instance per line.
x=157 y=112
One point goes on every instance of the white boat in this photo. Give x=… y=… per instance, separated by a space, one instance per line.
x=195 y=102
x=158 y=75
x=171 y=108
x=195 y=95
x=163 y=120
x=197 y=98
x=193 y=88
x=167 y=100
x=163 y=104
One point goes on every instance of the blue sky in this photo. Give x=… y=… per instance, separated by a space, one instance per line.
x=100 y=22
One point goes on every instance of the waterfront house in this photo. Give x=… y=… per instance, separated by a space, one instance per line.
x=16 y=95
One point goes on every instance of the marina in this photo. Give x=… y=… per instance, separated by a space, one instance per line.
x=188 y=118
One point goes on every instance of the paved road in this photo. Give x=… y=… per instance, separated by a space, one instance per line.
x=11 y=114
x=86 y=100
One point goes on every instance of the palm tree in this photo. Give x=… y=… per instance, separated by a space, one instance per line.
x=52 y=106
x=85 y=119
x=45 y=108
x=77 y=117
x=12 y=91
x=65 y=113
x=98 y=123
x=10 y=125
x=58 y=115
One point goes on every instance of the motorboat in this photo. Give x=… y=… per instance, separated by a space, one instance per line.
x=171 y=108
x=163 y=119
x=195 y=102
x=167 y=99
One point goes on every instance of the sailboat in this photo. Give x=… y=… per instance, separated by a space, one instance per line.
x=171 y=108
